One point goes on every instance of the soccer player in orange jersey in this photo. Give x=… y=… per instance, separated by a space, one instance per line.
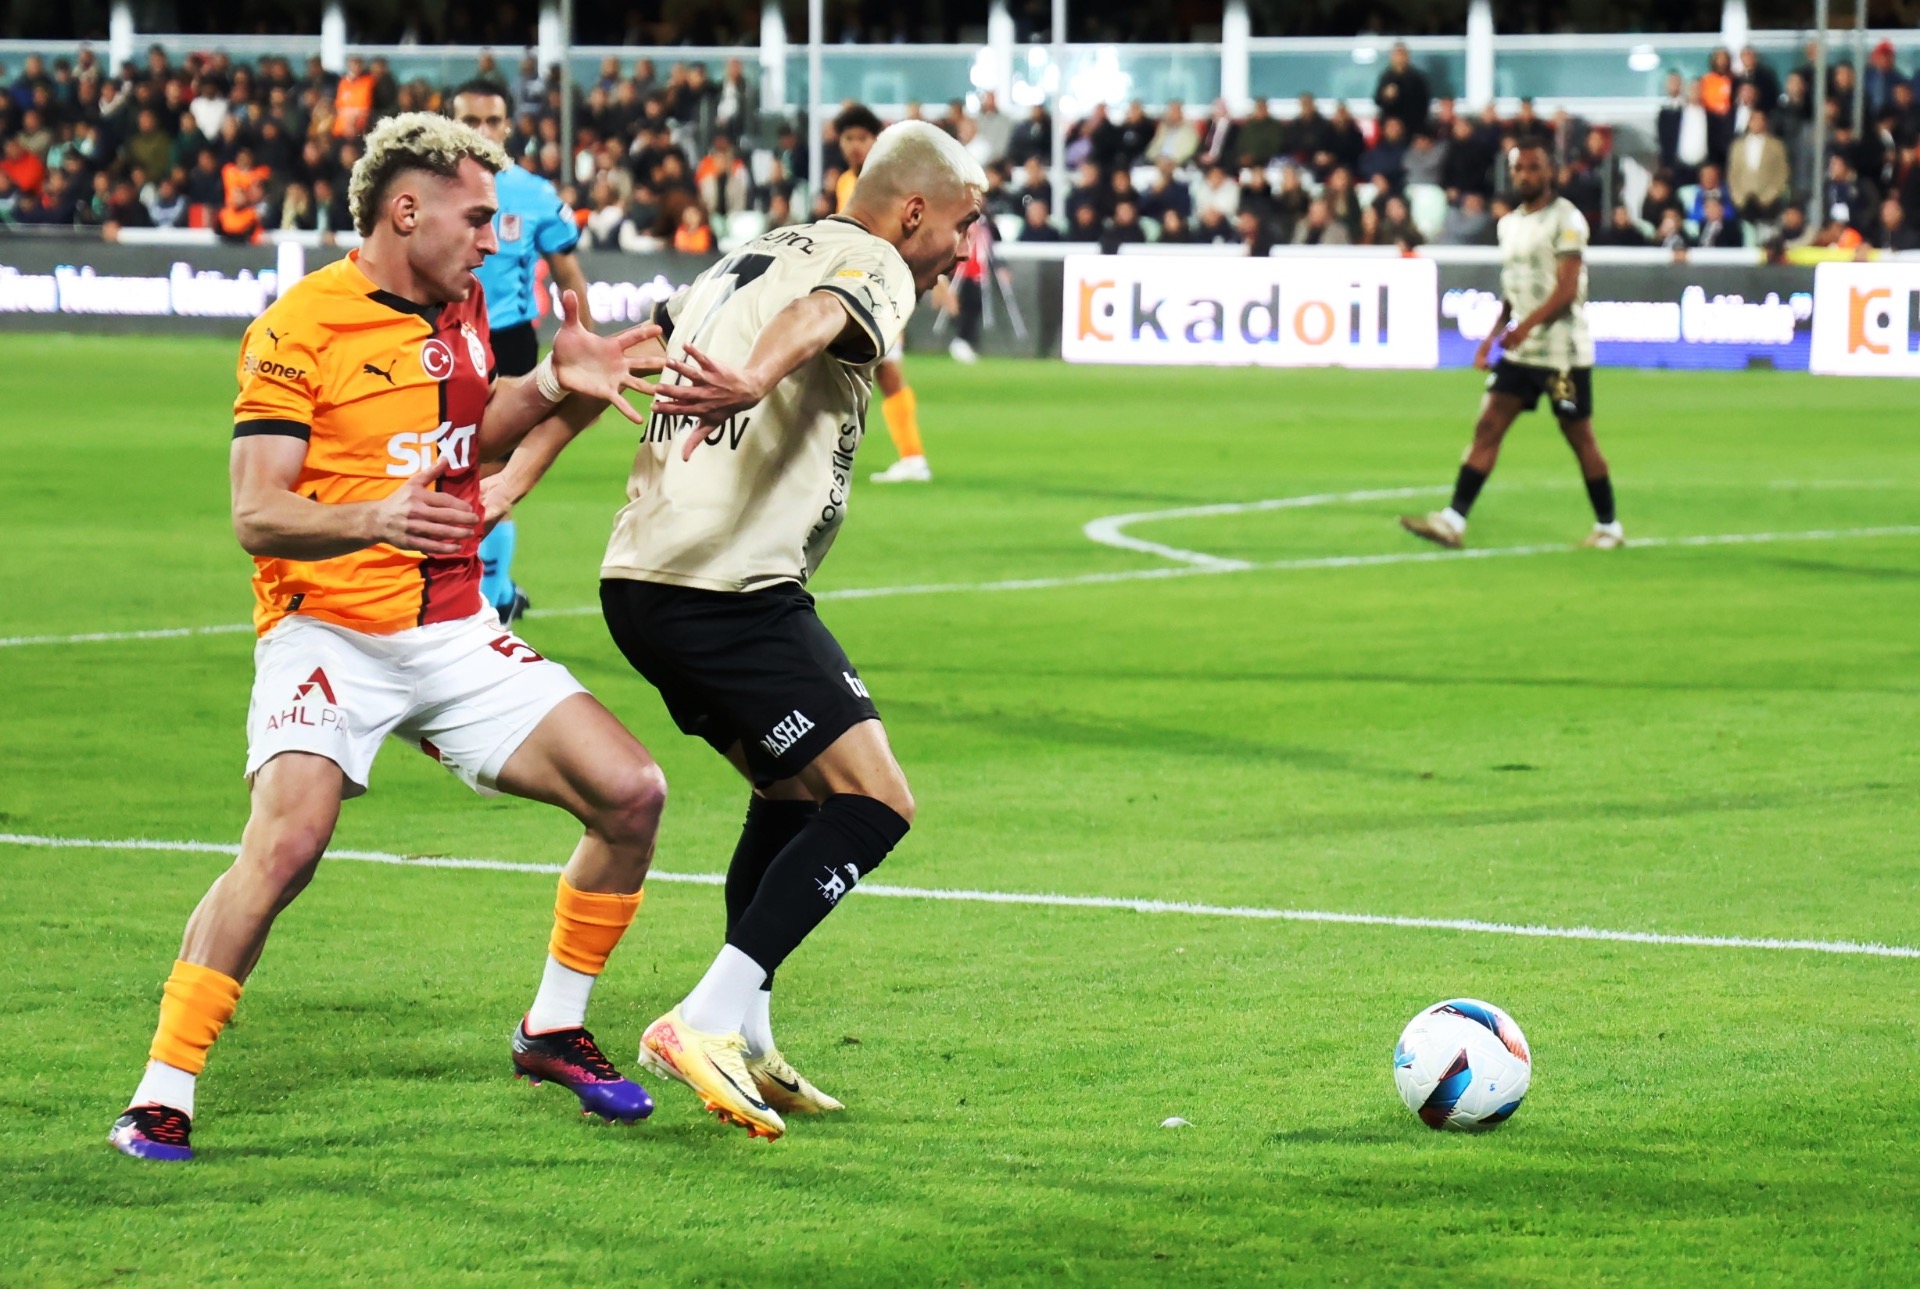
x=367 y=402
x=856 y=128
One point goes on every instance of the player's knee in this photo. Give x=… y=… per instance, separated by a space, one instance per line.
x=632 y=802
x=289 y=852
x=896 y=796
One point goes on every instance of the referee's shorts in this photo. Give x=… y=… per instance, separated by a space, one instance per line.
x=516 y=350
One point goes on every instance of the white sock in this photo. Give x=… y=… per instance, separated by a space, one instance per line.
x=758 y=1029
x=1454 y=517
x=166 y=1085
x=562 y=1000
x=719 y=1003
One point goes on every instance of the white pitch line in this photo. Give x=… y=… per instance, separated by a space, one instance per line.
x=1042 y=900
x=1215 y=567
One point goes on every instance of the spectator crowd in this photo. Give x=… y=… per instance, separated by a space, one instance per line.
x=677 y=158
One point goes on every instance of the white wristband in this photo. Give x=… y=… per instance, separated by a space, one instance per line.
x=546 y=382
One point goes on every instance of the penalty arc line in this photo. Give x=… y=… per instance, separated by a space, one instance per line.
x=1215 y=567
x=1472 y=926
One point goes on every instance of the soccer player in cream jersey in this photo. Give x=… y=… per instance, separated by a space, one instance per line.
x=1548 y=351
x=739 y=486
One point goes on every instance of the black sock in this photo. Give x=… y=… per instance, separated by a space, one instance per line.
x=1466 y=489
x=1600 y=493
x=769 y=827
x=846 y=840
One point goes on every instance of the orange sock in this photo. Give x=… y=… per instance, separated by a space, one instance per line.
x=197 y=1005
x=902 y=415
x=586 y=926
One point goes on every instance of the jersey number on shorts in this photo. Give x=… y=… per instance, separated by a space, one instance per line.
x=508 y=647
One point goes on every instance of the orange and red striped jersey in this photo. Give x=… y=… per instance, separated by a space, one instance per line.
x=379 y=388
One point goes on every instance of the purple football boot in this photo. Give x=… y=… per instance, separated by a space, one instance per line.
x=153 y=1132
x=572 y=1059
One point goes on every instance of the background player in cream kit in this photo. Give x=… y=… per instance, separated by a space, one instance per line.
x=1547 y=351
x=739 y=486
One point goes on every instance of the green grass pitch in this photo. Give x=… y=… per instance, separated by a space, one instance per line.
x=1705 y=740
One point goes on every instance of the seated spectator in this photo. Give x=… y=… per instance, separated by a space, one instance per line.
x=1120 y=185
x=1426 y=161
x=1176 y=139
x=1173 y=228
x=52 y=206
x=1758 y=172
x=1469 y=161
x=1712 y=188
x=1213 y=226
x=1348 y=142
x=1216 y=191
x=1659 y=200
x=779 y=211
x=1369 y=234
x=1256 y=235
x=1289 y=203
x=1309 y=138
x=238 y=222
x=1037 y=227
x=722 y=177
x=1000 y=198
x=1620 y=230
x=1719 y=228
x=149 y=146
x=331 y=210
x=1894 y=232
x=606 y=214
x=1032 y=139
x=1136 y=136
x=1387 y=158
x=1671 y=234
x=1262 y=138
x=1847 y=200
x=1342 y=204
x=694 y=236
x=1123 y=229
x=1468 y=224
x=204 y=184
x=124 y=208
x=242 y=174
x=1320 y=228
x=1791 y=234
x=1083 y=225
x=1219 y=139
x=1167 y=194
x=26 y=170
x=1396 y=225
x=1088 y=191
x=295 y=211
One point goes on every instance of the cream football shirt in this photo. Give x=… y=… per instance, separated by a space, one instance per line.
x=762 y=501
x=1532 y=244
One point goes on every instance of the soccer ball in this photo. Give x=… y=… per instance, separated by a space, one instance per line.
x=1462 y=1065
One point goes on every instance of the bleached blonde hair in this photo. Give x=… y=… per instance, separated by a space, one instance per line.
x=414 y=141
x=917 y=157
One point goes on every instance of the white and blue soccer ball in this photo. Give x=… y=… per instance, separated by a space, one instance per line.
x=1462 y=1065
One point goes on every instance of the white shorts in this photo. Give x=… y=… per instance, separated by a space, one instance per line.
x=467 y=693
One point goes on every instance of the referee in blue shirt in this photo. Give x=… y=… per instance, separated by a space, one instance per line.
x=533 y=224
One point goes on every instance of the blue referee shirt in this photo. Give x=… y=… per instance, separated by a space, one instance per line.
x=532 y=222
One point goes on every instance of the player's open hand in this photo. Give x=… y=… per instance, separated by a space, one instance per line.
x=601 y=366
x=708 y=390
x=417 y=517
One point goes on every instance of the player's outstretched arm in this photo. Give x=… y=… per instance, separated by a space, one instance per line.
x=594 y=367
x=274 y=521
x=711 y=391
x=500 y=493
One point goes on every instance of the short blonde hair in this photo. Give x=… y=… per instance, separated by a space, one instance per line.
x=414 y=141
x=917 y=157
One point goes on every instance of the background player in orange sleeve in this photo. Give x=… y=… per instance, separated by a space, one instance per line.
x=856 y=128
x=367 y=403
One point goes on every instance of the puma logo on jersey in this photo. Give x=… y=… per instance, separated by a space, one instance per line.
x=788 y=732
x=371 y=370
x=273 y=336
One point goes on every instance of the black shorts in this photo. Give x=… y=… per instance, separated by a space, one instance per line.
x=516 y=350
x=757 y=668
x=1570 y=393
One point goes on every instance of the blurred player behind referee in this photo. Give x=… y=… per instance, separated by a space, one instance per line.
x=1543 y=282
x=533 y=224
